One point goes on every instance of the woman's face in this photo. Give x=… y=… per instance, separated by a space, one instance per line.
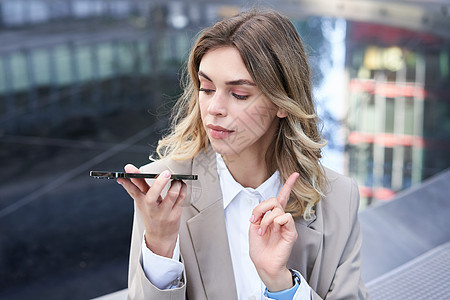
x=237 y=117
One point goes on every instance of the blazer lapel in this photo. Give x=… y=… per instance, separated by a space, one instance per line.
x=307 y=248
x=208 y=232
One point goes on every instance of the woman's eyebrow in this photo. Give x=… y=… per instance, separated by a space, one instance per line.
x=201 y=74
x=241 y=82
x=233 y=82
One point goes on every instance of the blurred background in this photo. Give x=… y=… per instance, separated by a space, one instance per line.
x=88 y=85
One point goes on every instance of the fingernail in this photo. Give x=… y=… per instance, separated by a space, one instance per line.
x=252 y=218
x=119 y=182
x=260 y=231
x=166 y=174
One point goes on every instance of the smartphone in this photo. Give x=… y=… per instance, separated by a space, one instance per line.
x=114 y=175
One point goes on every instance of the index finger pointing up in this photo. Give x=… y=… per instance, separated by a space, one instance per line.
x=285 y=192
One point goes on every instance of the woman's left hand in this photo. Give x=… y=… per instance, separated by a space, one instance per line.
x=272 y=235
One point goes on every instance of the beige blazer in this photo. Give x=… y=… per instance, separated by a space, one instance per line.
x=327 y=251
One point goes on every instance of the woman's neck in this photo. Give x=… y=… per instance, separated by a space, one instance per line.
x=249 y=171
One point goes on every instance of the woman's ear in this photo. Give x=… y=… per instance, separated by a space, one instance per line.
x=281 y=113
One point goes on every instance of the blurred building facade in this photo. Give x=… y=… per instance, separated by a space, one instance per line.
x=86 y=58
x=399 y=108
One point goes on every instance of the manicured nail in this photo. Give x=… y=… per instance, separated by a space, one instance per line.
x=252 y=218
x=260 y=231
x=119 y=182
x=166 y=174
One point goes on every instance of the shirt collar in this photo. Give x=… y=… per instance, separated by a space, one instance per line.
x=271 y=187
x=231 y=188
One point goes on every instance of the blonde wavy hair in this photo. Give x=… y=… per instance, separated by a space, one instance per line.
x=274 y=56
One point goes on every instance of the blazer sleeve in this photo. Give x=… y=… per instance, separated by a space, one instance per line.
x=347 y=282
x=139 y=287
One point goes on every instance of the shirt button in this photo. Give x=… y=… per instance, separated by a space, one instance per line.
x=252 y=297
x=250 y=201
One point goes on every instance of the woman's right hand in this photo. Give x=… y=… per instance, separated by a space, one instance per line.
x=161 y=215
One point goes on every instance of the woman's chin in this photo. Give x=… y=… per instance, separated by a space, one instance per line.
x=223 y=149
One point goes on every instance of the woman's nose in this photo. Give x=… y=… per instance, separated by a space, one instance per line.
x=217 y=106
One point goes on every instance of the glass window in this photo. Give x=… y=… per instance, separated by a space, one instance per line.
x=12 y=12
x=432 y=74
x=410 y=60
x=105 y=60
x=61 y=55
x=19 y=71
x=2 y=89
x=390 y=115
x=444 y=65
x=38 y=11
x=41 y=67
x=182 y=43
x=126 y=57
x=407 y=167
x=87 y=8
x=2 y=77
x=388 y=159
x=119 y=8
x=368 y=110
x=144 y=57
x=84 y=62
x=409 y=115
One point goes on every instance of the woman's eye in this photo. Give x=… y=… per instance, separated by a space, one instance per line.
x=206 y=91
x=240 y=97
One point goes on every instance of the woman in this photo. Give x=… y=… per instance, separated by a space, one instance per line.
x=265 y=219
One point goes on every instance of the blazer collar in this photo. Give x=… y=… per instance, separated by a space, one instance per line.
x=308 y=247
x=207 y=230
x=204 y=165
x=306 y=223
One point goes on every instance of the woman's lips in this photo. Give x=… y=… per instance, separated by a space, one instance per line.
x=218 y=132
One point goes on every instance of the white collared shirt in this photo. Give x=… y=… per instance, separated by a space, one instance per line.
x=238 y=203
